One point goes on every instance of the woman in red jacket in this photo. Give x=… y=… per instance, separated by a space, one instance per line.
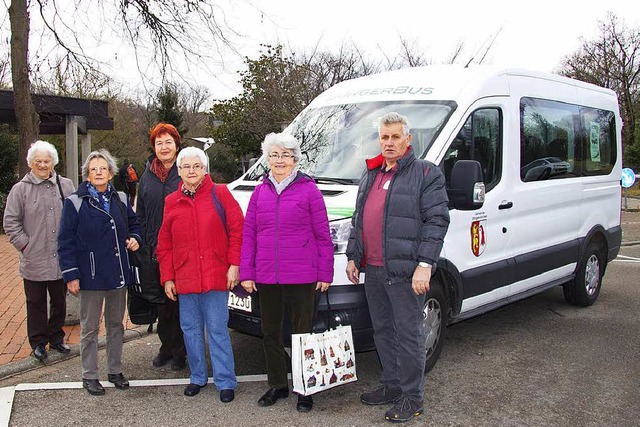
x=199 y=255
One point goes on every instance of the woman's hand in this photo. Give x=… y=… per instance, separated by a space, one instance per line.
x=74 y=286
x=233 y=276
x=249 y=285
x=322 y=286
x=170 y=290
x=132 y=244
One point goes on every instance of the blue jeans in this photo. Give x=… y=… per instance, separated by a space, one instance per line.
x=208 y=310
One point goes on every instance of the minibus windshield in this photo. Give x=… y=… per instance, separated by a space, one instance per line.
x=335 y=140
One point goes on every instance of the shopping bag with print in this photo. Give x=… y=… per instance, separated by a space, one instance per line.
x=321 y=361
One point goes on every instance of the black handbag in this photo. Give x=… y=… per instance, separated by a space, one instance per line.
x=147 y=276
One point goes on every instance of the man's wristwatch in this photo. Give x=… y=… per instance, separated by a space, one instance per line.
x=425 y=264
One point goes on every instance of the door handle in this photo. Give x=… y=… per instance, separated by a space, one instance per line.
x=507 y=205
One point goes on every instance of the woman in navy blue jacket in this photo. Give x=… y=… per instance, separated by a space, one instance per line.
x=97 y=229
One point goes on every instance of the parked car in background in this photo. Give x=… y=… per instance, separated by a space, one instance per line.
x=544 y=168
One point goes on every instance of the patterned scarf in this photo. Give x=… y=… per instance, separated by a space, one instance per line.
x=104 y=198
x=280 y=186
x=189 y=193
x=158 y=169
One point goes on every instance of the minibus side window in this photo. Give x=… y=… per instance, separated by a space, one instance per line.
x=560 y=140
x=479 y=139
x=600 y=151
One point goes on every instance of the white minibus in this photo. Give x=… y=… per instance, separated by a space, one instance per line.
x=532 y=163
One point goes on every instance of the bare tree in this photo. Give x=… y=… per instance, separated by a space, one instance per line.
x=162 y=32
x=612 y=60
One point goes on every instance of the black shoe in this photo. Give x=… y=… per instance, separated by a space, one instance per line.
x=40 y=353
x=61 y=347
x=404 y=410
x=381 y=396
x=305 y=403
x=227 y=395
x=193 y=389
x=161 y=360
x=272 y=395
x=93 y=387
x=119 y=381
x=178 y=363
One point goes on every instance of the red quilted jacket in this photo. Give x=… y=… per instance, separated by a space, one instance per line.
x=193 y=249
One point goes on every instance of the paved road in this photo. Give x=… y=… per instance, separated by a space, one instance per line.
x=535 y=362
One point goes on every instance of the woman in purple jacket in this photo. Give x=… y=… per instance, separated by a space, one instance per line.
x=286 y=255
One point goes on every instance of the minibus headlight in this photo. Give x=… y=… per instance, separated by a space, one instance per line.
x=340 y=231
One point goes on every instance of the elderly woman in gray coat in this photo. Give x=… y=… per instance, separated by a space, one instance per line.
x=31 y=220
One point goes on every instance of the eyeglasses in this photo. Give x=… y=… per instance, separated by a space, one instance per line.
x=194 y=168
x=283 y=156
x=101 y=169
x=43 y=162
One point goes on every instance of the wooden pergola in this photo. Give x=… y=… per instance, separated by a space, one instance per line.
x=60 y=115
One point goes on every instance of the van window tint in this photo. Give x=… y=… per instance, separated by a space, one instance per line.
x=478 y=139
x=560 y=140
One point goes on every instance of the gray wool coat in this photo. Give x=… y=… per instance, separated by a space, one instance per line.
x=31 y=220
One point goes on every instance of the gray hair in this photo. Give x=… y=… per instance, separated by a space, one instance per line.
x=100 y=154
x=42 y=147
x=282 y=140
x=188 y=152
x=392 y=118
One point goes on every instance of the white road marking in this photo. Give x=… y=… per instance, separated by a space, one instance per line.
x=7 y=393
x=624 y=258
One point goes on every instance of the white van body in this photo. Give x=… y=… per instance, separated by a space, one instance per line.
x=550 y=151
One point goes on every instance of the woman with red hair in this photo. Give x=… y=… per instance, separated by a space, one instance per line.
x=160 y=179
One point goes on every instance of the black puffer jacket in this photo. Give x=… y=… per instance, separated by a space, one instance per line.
x=415 y=219
x=150 y=204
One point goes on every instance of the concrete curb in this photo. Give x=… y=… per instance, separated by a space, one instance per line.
x=30 y=363
x=631 y=243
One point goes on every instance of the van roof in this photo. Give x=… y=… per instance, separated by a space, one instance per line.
x=438 y=83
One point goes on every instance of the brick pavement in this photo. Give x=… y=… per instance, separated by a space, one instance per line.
x=14 y=344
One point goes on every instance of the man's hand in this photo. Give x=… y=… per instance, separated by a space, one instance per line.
x=170 y=290
x=249 y=285
x=74 y=286
x=352 y=272
x=233 y=276
x=420 y=280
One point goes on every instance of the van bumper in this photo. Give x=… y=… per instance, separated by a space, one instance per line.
x=348 y=305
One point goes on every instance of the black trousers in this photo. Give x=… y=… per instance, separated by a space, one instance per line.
x=43 y=328
x=169 y=331
x=300 y=301
x=131 y=191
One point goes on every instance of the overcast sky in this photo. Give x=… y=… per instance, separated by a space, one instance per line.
x=532 y=34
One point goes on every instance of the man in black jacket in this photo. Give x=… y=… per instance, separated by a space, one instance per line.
x=408 y=197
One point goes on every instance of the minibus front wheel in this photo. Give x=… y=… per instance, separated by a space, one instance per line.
x=435 y=320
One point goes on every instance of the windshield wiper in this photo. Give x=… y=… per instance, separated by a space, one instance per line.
x=326 y=179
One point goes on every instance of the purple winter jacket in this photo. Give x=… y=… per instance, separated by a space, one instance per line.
x=286 y=237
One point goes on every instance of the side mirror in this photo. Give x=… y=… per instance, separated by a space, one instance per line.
x=252 y=161
x=466 y=188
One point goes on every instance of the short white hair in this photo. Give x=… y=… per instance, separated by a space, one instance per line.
x=42 y=147
x=393 y=118
x=189 y=152
x=282 y=140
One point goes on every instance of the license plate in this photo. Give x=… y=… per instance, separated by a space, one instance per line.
x=238 y=303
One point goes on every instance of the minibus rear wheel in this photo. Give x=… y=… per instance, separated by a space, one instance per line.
x=435 y=323
x=585 y=288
